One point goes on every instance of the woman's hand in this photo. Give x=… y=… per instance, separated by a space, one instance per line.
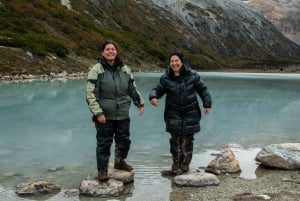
x=140 y=110
x=154 y=101
x=102 y=119
x=207 y=110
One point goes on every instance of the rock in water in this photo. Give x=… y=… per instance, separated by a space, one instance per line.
x=226 y=162
x=197 y=179
x=283 y=156
x=36 y=188
x=101 y=189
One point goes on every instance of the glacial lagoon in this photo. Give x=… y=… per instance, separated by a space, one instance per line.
x=46 y=125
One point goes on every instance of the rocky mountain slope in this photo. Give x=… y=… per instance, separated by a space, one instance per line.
x=43 y=36
x=284 y=14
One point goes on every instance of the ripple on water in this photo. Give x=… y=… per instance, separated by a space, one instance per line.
x=5 y=152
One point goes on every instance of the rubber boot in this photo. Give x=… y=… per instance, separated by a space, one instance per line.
x=122 y=165
x=102 y=176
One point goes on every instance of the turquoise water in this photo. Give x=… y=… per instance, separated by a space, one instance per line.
x=46 y=124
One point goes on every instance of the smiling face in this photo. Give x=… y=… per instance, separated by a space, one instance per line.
x=109 y=53
x=176 y=64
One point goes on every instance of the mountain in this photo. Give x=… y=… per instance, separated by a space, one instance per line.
x=284 y=14
x=43 y=36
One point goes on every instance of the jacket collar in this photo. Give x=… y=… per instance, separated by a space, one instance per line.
x=117 y=64
x=183 y=71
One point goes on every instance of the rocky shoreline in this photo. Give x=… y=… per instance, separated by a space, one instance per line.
x=51 y=76
x=271 y=182
x=66 y=75
x=270 y=185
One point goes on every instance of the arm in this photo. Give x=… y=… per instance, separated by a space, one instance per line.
x=91 y=98
x=135 y=95
x=157 y=92
x=202 y=91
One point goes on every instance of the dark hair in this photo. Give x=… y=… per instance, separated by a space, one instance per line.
x=105 y=43
x=179 y=54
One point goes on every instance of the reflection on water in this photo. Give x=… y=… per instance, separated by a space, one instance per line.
x=47 y=125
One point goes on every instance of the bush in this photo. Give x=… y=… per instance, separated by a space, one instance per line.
x=36 y=44
x=56 y=47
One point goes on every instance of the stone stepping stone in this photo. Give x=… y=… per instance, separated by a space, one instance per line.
x=197 y=180
x=95 y=188
x=36 y=188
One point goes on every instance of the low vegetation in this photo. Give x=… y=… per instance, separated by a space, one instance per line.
x=40 y=36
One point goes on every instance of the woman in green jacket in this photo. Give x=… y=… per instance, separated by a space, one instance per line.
x=109 y=91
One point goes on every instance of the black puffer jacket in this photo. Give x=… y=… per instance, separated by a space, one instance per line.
x=182 y=112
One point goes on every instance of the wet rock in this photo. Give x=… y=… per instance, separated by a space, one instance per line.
x=101 y=189
x=120 y=175
x=283 y=156
x=36 y=188
x=113 y=187
x=250 y=196
x=55 y=169
x=197 y=179
x=72 y=192
x=11 y=174
x=225 y=162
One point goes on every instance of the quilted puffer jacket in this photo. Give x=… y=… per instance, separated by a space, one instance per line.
x=182 y=112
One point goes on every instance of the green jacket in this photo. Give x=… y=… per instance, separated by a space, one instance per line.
x=109 y=91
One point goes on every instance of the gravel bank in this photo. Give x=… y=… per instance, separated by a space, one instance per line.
x=276 y=185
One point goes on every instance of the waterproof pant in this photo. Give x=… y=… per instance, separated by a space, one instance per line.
x=112 y=129
x=181 y=148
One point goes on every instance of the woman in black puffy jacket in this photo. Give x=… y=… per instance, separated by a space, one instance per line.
x=182 y=112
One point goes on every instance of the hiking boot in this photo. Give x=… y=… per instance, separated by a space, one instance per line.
x=185 y=167
x=122 y=165
x=176 y=168
x=102 y=176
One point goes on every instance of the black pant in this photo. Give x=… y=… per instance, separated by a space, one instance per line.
x=112 y=129
x=181 y=148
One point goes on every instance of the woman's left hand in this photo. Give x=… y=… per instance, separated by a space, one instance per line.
x=207 y=110
x=141 y=110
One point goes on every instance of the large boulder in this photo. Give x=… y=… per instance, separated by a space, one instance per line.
x=225 y=162
x=283 y=156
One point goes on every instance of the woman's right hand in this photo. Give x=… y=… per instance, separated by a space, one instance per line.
x=154 y=101
x=102 y=119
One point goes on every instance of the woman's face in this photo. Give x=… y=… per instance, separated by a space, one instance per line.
x=110 y=52
x=176 y=64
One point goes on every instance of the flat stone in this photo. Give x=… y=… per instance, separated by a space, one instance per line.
x=250 y=196
x=36 y=188
x=120 y=175
x=95 y=188
x=197 y=179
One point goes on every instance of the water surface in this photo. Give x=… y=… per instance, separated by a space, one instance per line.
x=46 y=124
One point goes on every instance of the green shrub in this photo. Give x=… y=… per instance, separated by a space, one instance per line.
x=36 y=44
x=56 y=47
